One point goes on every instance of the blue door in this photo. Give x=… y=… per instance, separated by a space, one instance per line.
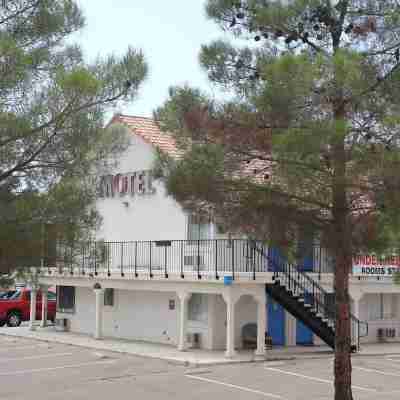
x=275 y=260
x=304 y=336
x=276 y=322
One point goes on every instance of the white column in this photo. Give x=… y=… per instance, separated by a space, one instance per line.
x=99 y=293
x=184 y=298
x=261 y=324
x=230 y=324
x=356 y=296
x=32 y=309
x=45 y=291
x=290 y=329
x=356 y=307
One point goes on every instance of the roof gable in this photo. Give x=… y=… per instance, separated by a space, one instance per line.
x=147 y=129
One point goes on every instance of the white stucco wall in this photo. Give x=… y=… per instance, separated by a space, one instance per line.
x=83 y=319
x=143 y=316
x=218 y=322
x=147 y=216
x=389 y=318
x=136 y=315
x=200 y=325
x=246 y=312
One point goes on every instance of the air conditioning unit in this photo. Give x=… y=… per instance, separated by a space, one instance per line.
x=193 y=340
x=390 y=332
x=61 y=324
x=383 y=333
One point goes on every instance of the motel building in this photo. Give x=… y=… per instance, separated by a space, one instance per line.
x=160 y=275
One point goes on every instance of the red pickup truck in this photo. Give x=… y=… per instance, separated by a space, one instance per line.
x=16 y=308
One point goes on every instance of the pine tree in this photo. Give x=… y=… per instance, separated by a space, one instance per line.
x=309 y=139
x=52 y=110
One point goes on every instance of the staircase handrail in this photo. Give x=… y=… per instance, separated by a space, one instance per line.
x=328 y=312
x=290 y=271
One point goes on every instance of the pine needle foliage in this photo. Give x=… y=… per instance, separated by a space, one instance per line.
x=311 y=140
x=53 y=141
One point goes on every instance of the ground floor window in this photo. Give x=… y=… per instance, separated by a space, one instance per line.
x=66 y=299
x=198 y=307
x=109 y=297
x=381 y=306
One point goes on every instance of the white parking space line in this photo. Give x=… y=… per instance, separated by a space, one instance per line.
x=312 y=378
x=384 y=363
x=13 y=348
x=377 y=371
x=242 y=388
x=31 y=371
x=36 y=357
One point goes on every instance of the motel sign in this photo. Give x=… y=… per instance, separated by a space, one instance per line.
x=128 y=184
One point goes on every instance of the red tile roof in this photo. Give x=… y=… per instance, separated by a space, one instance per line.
x=148 y=130
x=259 y=171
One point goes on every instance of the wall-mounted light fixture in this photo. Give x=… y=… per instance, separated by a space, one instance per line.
x=126 y=204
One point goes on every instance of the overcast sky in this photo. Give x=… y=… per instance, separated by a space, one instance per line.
x=170 y=32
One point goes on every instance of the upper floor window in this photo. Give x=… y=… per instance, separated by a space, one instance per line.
x=199 y=228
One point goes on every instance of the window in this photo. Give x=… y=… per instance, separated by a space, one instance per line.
x=7 y=295
x=198 y=307
x=199 y=228
x=381 y=306
x=66 y=299
x=374 y=306
x=51 y=296
x=109 y=297
x=16 y=295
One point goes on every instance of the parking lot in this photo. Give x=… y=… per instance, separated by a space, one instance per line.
x=37 y=370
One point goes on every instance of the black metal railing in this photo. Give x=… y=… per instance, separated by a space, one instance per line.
x=314 y=259
x=217 y=257
x=301 y=285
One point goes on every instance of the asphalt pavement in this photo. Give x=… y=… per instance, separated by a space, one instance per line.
x=36 y=370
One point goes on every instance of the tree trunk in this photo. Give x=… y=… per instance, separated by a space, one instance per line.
x=341 y=243
x=342 y=367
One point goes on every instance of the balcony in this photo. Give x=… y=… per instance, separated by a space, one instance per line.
x=238 y=259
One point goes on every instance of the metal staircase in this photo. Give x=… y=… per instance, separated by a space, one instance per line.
x=308 y=302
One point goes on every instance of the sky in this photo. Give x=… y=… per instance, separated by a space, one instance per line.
x=170 y=33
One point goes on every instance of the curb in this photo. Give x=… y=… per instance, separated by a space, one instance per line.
x=170 y=360
x=197 y=364
x=376 y=354
x=87 y=346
